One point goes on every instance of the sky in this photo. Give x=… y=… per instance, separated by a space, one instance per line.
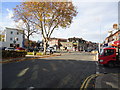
x=92 y=23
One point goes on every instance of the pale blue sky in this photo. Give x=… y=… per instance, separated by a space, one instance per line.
x=93 y=21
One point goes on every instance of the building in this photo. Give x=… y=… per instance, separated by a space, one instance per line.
x=72 y=44
x=113 y=37
x=56 y=42
x=66 y=45
x=77 y=43
x=12 y=38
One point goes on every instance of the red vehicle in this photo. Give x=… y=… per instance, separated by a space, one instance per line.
x=109 y=56
x=20 y=49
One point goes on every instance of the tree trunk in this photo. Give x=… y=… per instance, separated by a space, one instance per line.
x=28 y=42
x=45 y=47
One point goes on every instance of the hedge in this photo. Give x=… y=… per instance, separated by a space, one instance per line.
x=30 y=53
x=35 y=53
x=8 y=54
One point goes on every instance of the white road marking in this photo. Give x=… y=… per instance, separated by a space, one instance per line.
x=97 y=72
x=97 y=68
x=30 y=88
x=111 y=84
x=22 y=72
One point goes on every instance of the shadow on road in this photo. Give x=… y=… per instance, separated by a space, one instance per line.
x=46 y=73
x=42 y=73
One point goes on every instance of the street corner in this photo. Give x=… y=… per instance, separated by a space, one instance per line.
x=102 y=81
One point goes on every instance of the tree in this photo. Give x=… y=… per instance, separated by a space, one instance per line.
x=2 y=38
x=48 y=16
x=24 y=24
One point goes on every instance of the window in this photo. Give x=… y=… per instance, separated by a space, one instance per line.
x=17 y=45
x=109 y=52
x=11 y=39
x=11 y=32
x=17 y=33
x=17 y=39
x=11 y=45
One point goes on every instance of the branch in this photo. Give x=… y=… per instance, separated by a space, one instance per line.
x=53 y=29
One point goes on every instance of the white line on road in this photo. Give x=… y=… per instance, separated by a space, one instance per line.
x=97 y=68
x=22 y=72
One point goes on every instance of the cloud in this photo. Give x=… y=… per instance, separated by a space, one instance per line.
x=92 y=18
x=92 y=22
x=10 y=13
x=7 y=20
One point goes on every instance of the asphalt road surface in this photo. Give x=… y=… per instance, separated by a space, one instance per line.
x=66 y=71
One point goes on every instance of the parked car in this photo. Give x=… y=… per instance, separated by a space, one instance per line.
x=94 y=51
x=10 y=49
x=30 y=50
x=51 y=48
x=36 y=49
x=88 y=50
x=20 y=49
x=41 y=48
x=2 y=48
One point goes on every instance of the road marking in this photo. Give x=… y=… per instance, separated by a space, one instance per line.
x=97 y=68
x=86 y=82
x=30 y=88
x=22 y=72
x=97 y=72
x=112 y=85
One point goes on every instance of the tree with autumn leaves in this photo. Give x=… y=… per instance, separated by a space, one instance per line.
x=46 y=16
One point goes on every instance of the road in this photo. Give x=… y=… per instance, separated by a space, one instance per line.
x=66 y=71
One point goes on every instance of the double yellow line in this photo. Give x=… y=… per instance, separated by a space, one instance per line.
x=86 y=82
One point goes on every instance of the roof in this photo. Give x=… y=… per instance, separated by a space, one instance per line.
x=113 y=34
x=13 y=29
x=58 y=38
x=109 y=48
x=75 y=38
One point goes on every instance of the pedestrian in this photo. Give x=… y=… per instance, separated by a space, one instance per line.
x=51 y=51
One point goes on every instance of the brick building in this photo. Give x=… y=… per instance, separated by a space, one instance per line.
x=56 y=42
x=72 y=44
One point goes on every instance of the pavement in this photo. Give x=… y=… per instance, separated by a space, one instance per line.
x=108 y=81
x=28 y=57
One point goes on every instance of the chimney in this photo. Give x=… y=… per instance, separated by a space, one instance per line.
x=115 y=26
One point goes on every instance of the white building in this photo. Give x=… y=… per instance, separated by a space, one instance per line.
x=12 y=37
